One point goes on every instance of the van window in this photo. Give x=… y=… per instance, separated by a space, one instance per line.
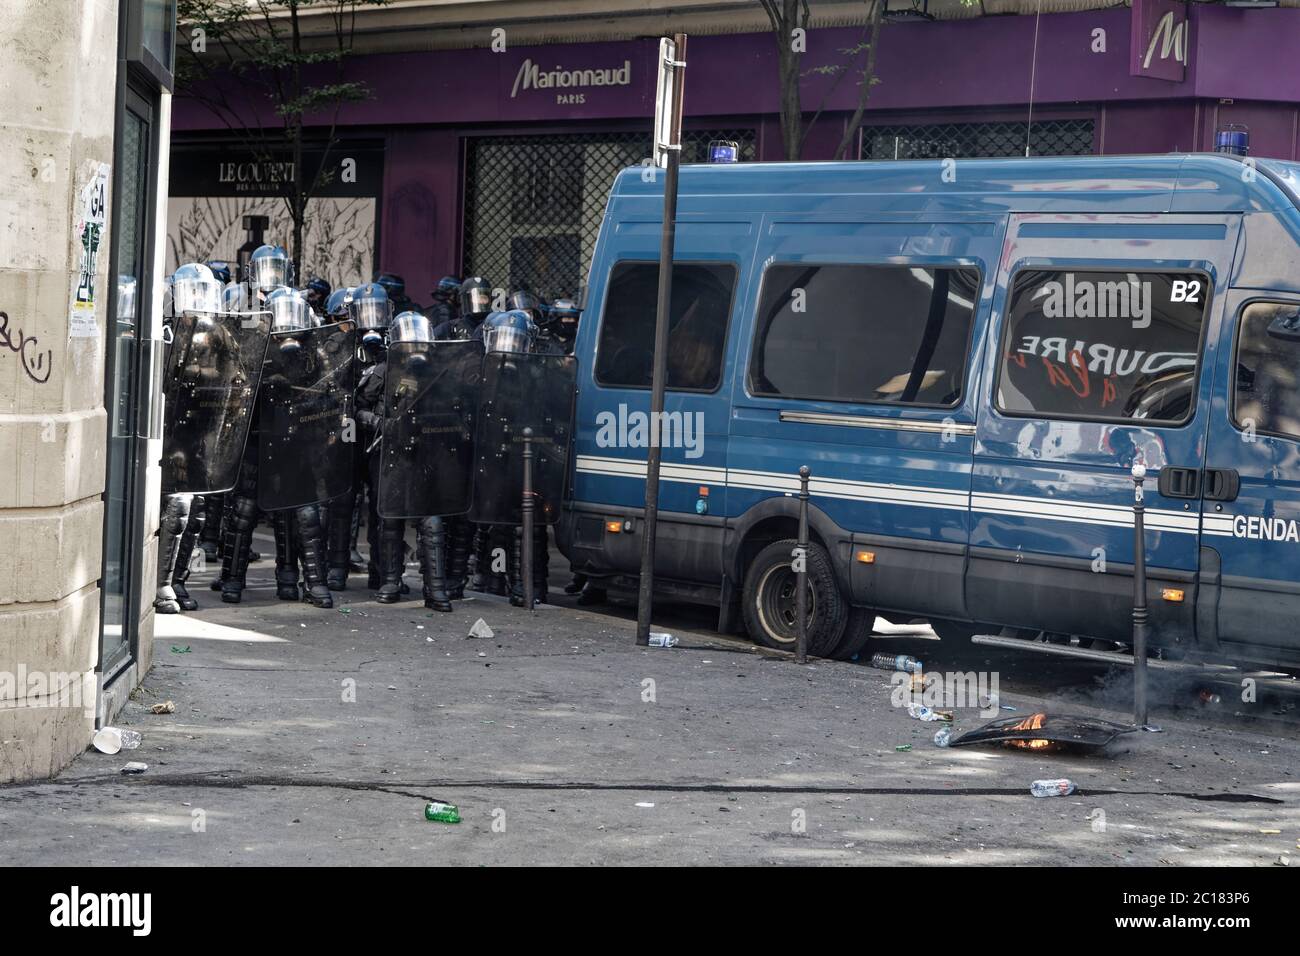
x=1103 y=345
x=867 y=334
x=1267 y=392
x=697 y=325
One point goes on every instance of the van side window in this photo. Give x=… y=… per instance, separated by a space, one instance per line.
x=866 y=334
x=697 y=325
x=1116 y=346
x=1266 y=396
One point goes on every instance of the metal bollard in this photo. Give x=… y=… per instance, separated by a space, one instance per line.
x=526 y=545
x=1139 y=473
x=801 y=572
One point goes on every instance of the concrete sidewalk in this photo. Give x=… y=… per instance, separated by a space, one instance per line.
x=304 y=736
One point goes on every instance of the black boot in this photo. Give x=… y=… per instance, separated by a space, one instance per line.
x=392 y=554
x=235 y=546
x=431 y=543
x=286 y=555
x=210 y=540
x=193 y=535
x=175 y=516
x=338 y=529
x=460 y=535
x=311 y=546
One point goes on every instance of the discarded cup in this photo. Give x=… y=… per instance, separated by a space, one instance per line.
x=943 y=737
x=441 y=812
x=1052 y=788
x=662 y=639
x=111 y=740
x=896 y=662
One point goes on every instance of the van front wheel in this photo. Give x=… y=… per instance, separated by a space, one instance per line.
x=770 y=598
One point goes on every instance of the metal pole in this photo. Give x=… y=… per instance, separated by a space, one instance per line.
x=801 y=572
x=645 y=595
x=526 y=545
x=1139 y=473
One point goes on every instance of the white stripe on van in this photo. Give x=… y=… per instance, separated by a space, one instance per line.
x=1014 y=506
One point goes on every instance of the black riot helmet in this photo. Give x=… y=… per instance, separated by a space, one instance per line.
x=336 y=306
x=269 y=268
x=475 y=298
x=525 y=301
x=562 y=318
x=394 y=285
x=448 y=290
x=511 y=331
x=221 y=269
x=317 y=291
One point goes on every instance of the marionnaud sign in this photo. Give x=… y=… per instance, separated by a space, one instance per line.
x=569 y=84
x=1160 y=45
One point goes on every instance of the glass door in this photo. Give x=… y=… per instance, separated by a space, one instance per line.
x=128 y=334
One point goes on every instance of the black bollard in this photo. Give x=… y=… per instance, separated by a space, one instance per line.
x=526 y=545
x=1139 y=473
x=801 y=572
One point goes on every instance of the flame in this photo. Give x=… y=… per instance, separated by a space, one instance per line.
x=1032 y=722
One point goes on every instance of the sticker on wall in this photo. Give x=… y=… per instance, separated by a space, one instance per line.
x=91 y=214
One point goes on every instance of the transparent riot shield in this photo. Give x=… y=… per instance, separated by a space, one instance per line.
x=307 y=432
x=214 y=364
x=430 y=398
x=518 y=392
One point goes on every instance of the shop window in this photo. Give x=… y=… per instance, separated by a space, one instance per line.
x=697 y=325
x=1266 y=396
x=1106 y=346
x=865 y=334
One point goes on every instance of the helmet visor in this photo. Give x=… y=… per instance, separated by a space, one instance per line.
x=508 y=338
x=267 y=272
x=196 y=295
x=373 y=312
x=476 y=300
x=289 y=313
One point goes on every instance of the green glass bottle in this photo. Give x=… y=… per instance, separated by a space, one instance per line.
x=441 y=812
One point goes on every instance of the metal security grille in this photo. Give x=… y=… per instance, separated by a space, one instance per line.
x=1071 y=137
x=533 y=204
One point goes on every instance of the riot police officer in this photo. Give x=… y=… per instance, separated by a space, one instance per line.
x=446 y=298
x=475 y=305
x=515 y=332
x=194 y=288
x=317 y=291
x=406 y=378
x=395 y=286
x=370 y=308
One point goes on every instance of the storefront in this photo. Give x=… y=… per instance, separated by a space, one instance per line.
x=498 y=163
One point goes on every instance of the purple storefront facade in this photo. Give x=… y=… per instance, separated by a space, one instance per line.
x=446 y=126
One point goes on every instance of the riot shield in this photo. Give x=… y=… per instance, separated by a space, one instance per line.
x=518 y=392
x=430 y=398
x=307 y=432
x=212 y=371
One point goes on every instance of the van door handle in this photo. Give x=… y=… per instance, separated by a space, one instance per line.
x=1179 y=483
x=1222 y=484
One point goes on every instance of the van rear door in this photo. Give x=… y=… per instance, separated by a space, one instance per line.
x=1251 y=509
x=1098 y=358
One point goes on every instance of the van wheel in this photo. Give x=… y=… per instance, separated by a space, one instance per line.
x=857 y=634
x=770 y=597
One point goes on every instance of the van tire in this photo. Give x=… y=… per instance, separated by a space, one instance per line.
x=768 y=601
x=857 y=634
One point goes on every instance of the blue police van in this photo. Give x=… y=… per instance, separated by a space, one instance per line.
x=969 y=356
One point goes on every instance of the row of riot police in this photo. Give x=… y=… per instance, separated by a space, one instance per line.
x=297 y=403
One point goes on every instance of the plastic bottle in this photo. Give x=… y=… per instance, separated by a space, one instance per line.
x=441 y=812
x=896 y=662
x=660 y=639
x=1052 y=788
x=943 y=736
